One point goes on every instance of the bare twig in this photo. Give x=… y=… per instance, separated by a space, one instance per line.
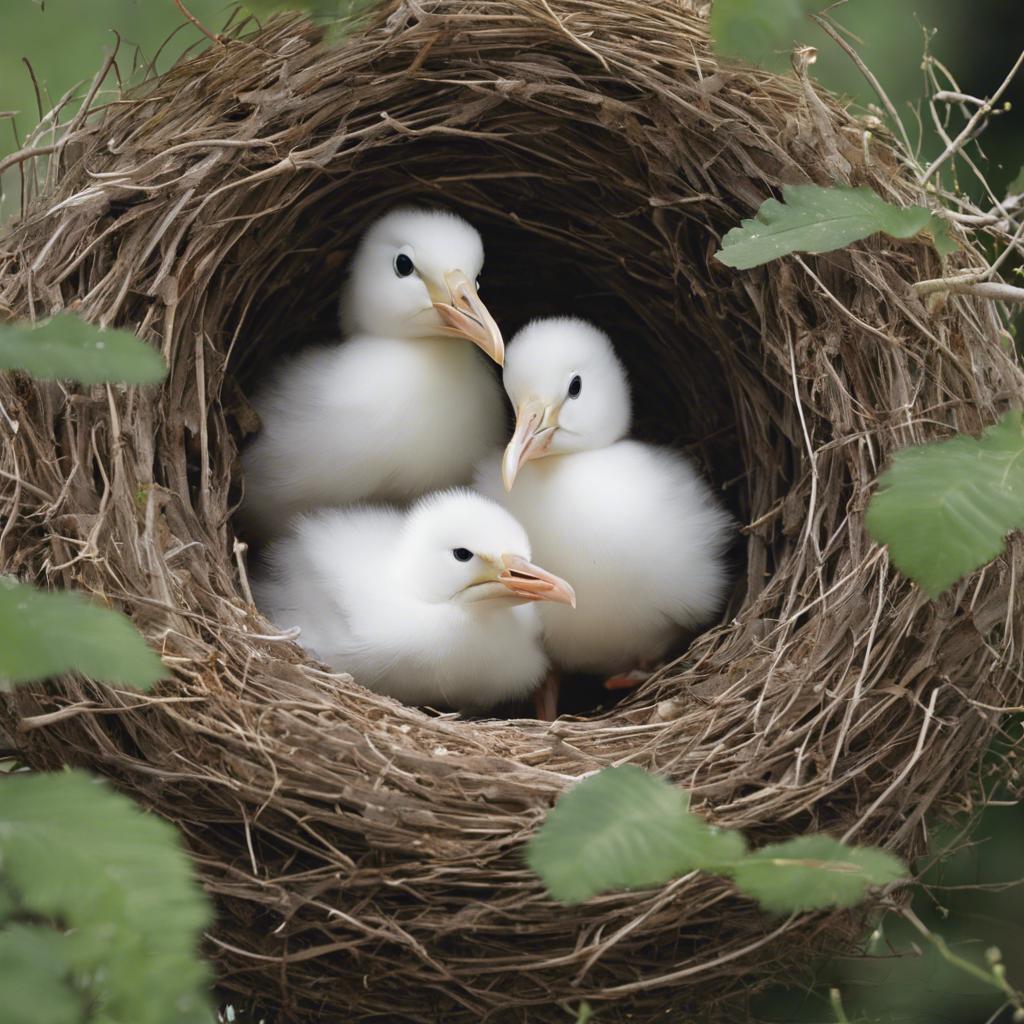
x=997 y=291
x=948 y=96
x=969 y=128
x=25 y=154
x=829 y=28
x=994 y=218
x=213 y=37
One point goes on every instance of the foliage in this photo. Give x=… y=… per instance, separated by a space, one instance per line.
x=814 y=871
x=815 y=219
x=68 y=347
x=760 y=31
x=99 y=914
x=624 y=828
x=928 y=962
x=944 y=509
x=45 y=634
x=102 y=916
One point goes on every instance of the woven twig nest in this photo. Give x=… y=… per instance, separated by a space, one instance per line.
x=366 y=858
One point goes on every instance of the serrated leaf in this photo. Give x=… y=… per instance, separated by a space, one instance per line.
x=815 y=219
x=119 y=889
x=67 y=348
x=944 y=509
x=624 y=828
x=814 y=872
x=760 y=31
x=47 y=633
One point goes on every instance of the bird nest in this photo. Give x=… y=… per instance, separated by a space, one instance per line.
x=367 y=858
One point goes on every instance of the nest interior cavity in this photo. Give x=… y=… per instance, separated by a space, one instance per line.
x=366 y=858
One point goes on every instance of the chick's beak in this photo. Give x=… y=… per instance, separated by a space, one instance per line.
x=465 y=316
x=535 y=428
x=524 y=579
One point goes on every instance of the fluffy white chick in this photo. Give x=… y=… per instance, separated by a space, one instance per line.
x=633 y=525
x=431 y=606
x=403 y=405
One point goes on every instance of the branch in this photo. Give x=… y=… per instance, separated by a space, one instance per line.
x=970 y=285
x=198 y=24
x=25 y=154
x=968 y=128
x=946 y=96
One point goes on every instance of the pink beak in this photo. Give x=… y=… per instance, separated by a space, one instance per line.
x=465 y=316
x=524 y=579
x=530 y=440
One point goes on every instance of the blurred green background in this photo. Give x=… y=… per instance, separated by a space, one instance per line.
x=66 y=40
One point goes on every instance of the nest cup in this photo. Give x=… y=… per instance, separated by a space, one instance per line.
x=366 y=858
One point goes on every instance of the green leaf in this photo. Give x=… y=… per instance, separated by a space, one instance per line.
x=1016 y=187
x=47 y=633
x=624 y=828
x=127 y=913
x=814 y=872
x=761 y=31
x=815 y=219
x=944 y=509
x=68 y=348
x=35 y=977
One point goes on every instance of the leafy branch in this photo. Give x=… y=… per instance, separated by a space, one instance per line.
x=763 y=33
x=624 y=828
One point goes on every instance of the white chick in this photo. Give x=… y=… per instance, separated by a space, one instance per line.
x=403 y=405
x=431 y=606
x=634 y=527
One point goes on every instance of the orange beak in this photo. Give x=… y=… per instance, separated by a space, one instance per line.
x=465 y=316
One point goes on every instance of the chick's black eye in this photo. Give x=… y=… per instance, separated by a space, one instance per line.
x=575 y=386
x=462 y=554
x=403 y=265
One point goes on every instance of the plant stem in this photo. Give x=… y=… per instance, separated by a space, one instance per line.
x=835 y=997
x=195 y=21
x=990 y=978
